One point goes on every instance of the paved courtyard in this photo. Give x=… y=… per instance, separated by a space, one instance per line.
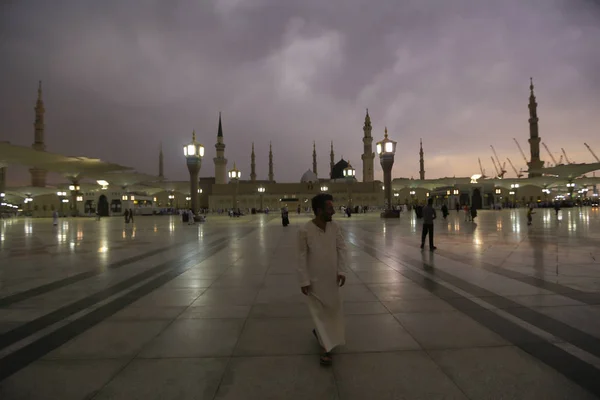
x=162 y=310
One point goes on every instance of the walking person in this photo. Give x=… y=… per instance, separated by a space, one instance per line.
x=285 y=216
x=445 y=211
x=428 y=216
x=126 y=215
x=55 y=218
x=322 y=271
x=529 y=215
x=473 y=213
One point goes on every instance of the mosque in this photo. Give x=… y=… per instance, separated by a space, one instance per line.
x=94 y=186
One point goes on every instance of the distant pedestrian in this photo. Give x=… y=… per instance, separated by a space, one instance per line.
x=556 y=208
x=285 y=216
x=529 y=215
x=457 y=207
x=131 y=215
x=428 y=216
x=467 y=213
x=473 y=213
x=55 y=218
x=445 y=211
x=126 y=215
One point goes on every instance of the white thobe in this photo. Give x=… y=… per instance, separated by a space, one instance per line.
x=322 y=256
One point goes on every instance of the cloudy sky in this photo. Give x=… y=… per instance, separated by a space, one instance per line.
x=120 y=76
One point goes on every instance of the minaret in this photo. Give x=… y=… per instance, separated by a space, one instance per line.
x=38 y=176
x=252 y=165
x=2 y=179
x=220 y=160
x=534 y=137
x=271 y=176
x=161 y=170
x=331 y=162
x=315 y=158
x=421 y=162
x=368 y=156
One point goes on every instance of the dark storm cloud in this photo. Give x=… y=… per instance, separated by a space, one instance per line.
x=121 y=76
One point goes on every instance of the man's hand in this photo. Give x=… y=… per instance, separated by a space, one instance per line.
x=341 y=280
x=305 y=290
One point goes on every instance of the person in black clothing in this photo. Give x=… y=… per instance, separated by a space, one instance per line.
x=445 y=211
x=428 y=216
x=285 y=220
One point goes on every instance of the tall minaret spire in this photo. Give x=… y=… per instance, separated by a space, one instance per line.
x=220 y=160
x=368 y=156
x=331 y=161
x=161 y=172
x=38 y=176
x=315 y=158
x=421 y=162
x=271 y=175
x=252 y=165
x=534 y=137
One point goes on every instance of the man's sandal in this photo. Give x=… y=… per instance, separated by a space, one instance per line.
x=326 y=359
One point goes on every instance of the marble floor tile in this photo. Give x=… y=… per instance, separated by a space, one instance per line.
x=392 y=375
x=166 y=379
x=195 y=338
x=368 y=333
x=447 y=330
x=64 y=379
x=109 y=339
x=277 y=336
x=274 y=378
x=216 y=311
x=229 y=296
x=505 y=373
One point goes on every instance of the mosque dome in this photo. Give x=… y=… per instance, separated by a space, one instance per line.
x=338 y=169
x=309 y=177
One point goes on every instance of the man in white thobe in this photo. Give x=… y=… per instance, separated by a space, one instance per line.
x=322 y=271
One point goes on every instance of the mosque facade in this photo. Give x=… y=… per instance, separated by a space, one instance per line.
x=110 y=189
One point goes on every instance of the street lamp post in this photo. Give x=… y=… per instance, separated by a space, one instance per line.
x=349 y=175
x=546 y=192
x=74 y=189
x=514 y=188
x=571 y=188
x=61 y=197
x=234 y=177
x=386 y=150
x=193 y=153
x=261 y=191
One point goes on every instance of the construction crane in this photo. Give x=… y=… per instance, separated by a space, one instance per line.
x=495 y=167
x=592 y=151
x=517 y=173
x=481 y=169
x=566 y=158
x=550 y=154
x=502 y=169
x=521 y=151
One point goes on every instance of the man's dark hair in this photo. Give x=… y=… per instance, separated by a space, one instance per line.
x=319 y=201
x=430 y=201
